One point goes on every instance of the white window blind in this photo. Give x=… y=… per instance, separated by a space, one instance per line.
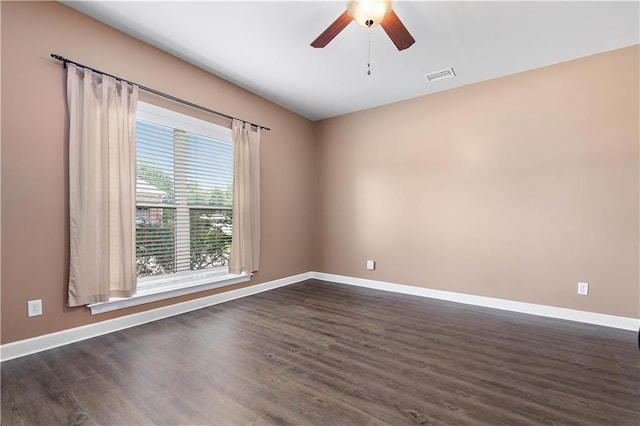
x=184 y=178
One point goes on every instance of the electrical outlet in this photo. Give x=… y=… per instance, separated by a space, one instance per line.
x=583 y=289
x=34 y=308
x=371 y=265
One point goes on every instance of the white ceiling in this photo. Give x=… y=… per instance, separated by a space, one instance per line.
x=264 y=46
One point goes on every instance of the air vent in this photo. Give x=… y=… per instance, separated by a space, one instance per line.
x=439 y=75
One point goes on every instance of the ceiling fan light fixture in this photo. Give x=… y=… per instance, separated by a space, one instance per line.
x=368 y=13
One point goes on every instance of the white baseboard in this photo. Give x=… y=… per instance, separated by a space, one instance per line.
x=613 y=321
x=48 y=341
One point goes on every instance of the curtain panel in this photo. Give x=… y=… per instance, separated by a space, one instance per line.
x=245 y=240
x=102 y=174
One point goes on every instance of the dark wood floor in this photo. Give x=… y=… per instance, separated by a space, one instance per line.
x=328 y=354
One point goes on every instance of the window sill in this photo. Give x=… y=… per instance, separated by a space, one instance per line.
x=166 y=292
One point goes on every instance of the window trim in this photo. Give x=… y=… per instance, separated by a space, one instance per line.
x=187 y=285
x=169 y=118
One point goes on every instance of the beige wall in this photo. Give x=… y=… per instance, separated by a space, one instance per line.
x=516 y=188
x=34 y=157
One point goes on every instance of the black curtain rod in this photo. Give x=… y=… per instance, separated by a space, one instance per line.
x=66 y=61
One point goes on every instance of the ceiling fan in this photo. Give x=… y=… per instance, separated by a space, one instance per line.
x=369 y=13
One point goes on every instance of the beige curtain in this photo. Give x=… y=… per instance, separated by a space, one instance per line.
x=245 y=241
x=101 y=186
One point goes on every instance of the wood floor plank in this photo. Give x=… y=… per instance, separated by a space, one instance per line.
x=264 y=379
x=279 y=376
x=385 y=375
x=449 y=360
x=36 y=396
x=323 y=353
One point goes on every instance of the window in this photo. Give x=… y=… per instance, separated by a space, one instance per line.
x=184 y=179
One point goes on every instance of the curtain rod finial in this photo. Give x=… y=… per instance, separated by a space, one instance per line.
x=60 y=58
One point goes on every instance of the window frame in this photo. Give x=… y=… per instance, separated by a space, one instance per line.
x=154 y=288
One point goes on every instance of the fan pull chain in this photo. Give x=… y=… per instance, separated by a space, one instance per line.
x=369 y=54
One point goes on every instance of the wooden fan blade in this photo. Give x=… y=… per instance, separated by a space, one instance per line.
x=396 y=31
x=333 y=30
